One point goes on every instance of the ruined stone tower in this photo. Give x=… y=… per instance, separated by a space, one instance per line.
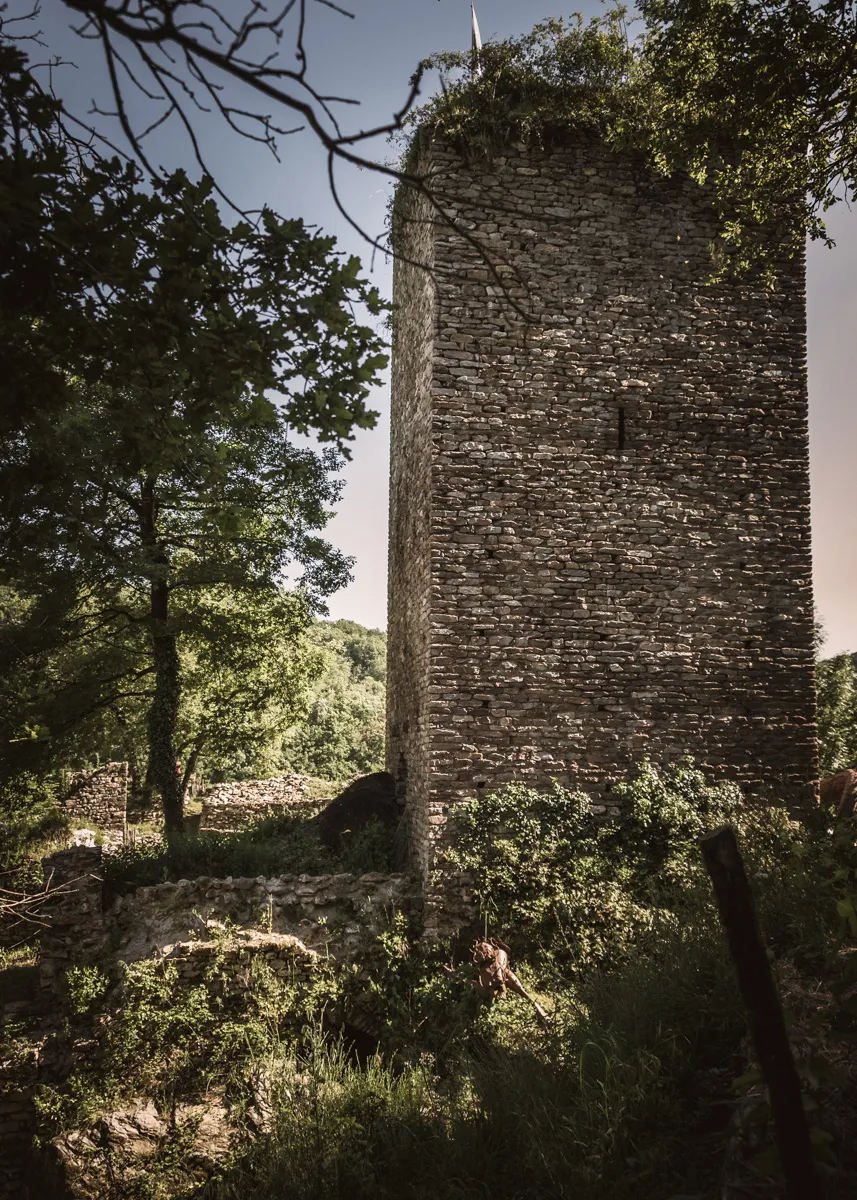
x=599 y=539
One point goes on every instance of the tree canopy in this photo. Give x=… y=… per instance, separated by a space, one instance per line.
x=343 y=731
x=158 y=364
x=758 y=98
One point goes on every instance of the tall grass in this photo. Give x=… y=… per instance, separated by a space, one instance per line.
x=278 y=845
x=598 y=1106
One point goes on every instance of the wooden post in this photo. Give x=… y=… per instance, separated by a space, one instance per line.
x=767 y=1026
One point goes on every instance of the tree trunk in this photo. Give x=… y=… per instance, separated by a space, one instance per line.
x=162 y=723
x=190 y=767
x=130 y=751
x=163 y=711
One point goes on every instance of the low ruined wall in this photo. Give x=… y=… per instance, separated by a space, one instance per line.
x=326 y=912
x=100 y=797
x=228 y=806
x=206 y=928
x=333 y=914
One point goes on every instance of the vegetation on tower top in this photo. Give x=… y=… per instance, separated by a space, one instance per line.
x=754 y=100
x=561 y=75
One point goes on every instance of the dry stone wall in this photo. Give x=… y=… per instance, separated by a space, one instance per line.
x=229 y=806
x=333 y=914
x=326 y=912
x=100 y=796
x=75 y=930
x=17 y=1125
x=600 y=516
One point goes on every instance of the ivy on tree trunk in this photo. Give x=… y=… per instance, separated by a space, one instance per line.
x=163 y=714
x=164 y=709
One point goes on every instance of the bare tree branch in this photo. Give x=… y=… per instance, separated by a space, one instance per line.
x=29 y=908
x=183 y=47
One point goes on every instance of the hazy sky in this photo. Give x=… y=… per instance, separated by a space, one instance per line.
x=371 y=59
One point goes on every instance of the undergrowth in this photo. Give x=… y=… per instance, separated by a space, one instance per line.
x=627 y=1092
x=31 y=825
x=278 y=845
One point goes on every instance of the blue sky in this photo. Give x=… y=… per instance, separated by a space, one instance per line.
x=371 y=59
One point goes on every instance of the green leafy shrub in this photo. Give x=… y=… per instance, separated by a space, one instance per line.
x=836 y=681
x=161 y=1038
x=367 y=850
x=561 y=75
x=663 y=813
x=578 y=891
x=342 y=734
x=31 y=822
x=84 y=986
x=280 y=845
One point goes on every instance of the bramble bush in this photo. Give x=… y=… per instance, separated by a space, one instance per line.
x=573 y=888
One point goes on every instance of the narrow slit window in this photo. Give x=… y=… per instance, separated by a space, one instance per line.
x=621 y=430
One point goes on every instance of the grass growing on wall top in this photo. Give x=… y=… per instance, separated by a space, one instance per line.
x=561 y=76
x=278 y=845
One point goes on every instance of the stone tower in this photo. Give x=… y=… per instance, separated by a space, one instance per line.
x=599 y=539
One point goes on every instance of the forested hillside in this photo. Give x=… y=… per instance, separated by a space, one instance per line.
x=342 y=731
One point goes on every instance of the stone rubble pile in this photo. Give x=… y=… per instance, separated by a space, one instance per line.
x=234 y=955
x=98 y=1160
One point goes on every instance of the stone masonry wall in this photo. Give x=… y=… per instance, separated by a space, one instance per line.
x=17 y=1126
x=228 y=806
x=409 y=573
x=326 y=913
x=613 y=495
x=100 y=796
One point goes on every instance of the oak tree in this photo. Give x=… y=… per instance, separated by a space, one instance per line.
x=159 y=362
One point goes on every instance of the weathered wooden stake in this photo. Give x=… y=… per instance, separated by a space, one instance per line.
x=767 y=1026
